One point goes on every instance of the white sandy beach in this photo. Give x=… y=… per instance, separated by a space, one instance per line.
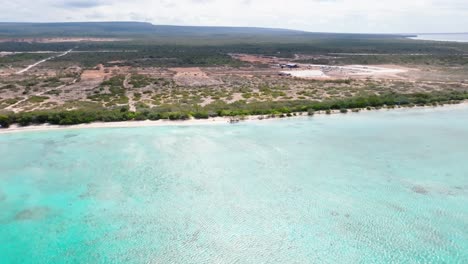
x=211 y=121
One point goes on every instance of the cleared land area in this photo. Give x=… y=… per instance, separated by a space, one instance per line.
x=202 y=75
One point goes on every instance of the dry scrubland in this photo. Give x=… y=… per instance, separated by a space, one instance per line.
x=244 y=82
x=46 y=88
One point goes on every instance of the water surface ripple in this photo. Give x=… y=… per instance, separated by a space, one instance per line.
x=381 y=187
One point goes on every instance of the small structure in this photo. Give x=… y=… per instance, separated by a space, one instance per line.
x=289 y=65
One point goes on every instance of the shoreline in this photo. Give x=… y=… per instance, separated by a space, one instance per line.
x=210 y=121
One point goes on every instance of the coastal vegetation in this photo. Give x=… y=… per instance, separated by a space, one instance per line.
x=221 y=109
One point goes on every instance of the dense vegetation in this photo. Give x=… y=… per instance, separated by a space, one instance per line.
x=22 y=59
x=219 y=108
x=189 y=52
x=150 y=41
x=167 y=46
x=154 y=56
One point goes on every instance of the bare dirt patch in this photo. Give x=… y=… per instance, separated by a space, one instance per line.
x=92 y=75
x=347 y=72
x=313 y=74
x=193 y=77
x=320 y=72
x=356 y=71
x=255 y=58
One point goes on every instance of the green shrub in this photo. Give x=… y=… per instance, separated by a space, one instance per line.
x=4 y=121
x=176 y=116
x=91 y=112
x=140 y=81
x=201 y=115
x=37 y=99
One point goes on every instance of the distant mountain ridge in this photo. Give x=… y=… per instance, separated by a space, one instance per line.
x=124 y=28
x=140 y=29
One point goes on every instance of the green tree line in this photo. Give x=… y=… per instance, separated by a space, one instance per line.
x=220 y=108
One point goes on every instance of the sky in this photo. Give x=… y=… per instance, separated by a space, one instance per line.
x=347 y=16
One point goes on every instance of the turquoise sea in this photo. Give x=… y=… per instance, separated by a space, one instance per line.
x=374 y=187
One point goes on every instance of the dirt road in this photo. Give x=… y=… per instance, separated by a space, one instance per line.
x=42 y=61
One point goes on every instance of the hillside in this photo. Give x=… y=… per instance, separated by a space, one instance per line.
x=141 y=29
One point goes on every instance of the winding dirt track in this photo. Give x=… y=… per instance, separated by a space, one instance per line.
x=42 y=61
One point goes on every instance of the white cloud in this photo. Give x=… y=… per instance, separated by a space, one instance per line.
x=386 y=16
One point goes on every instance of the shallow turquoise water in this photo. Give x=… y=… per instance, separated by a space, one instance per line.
x=377 y=187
